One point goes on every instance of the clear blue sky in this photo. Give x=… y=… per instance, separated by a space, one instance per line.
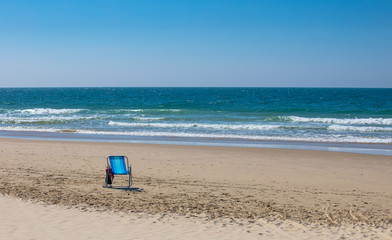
x=133 y=43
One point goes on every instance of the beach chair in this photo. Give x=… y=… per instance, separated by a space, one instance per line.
x=119 y=166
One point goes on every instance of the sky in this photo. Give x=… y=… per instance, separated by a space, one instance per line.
x=196 y=43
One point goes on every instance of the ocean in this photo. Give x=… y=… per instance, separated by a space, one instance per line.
x=336 y=119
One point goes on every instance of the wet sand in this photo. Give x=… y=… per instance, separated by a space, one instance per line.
x=315 y=192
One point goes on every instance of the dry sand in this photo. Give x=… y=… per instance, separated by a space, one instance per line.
x=189 y=192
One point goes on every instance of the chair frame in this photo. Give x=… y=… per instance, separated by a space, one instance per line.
x=129 y=169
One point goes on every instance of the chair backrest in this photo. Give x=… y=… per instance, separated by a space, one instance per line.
x=118 y=165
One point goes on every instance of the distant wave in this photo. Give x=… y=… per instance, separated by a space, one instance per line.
x=197 y=125
x=148 y=118
x=42 y=111
x=120 y=111
x=368 y=121
x=146 y=110
x=43 y=120
x=170 y=110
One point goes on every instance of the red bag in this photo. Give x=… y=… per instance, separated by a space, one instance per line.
x=109 y=176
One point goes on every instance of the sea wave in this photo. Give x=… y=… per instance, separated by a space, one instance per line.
x=43 y=120
x=318 y=138
x=321 y=138
x=30 y=129
x=43 y=111
x=146 y=110
x=197 y=125
x=359 y=129
x=365 y=121
x=148 y=118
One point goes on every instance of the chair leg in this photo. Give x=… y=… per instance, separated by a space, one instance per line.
x=130 y=176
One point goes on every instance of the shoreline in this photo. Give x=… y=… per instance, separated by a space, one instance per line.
x=361 y=148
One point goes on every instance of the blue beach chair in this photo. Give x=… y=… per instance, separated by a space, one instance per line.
x=119 y=167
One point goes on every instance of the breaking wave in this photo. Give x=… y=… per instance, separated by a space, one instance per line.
x=319 y=138
x=197 y=125
x=359 y=129
x=367 y=121
x=43 y=111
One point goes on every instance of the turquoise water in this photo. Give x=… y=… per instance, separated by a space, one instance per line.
x=242 y=115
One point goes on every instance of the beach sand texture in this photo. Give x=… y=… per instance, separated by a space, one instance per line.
x=222 y=192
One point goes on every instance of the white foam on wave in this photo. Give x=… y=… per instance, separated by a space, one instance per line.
x=148 y=110
x=18 y=120
x=128 y=110
x=359 y=129
x=367 y=121
x=197 y=125
x=42 y=111
x=30 y=129
x=169 y=110
x=148 y=118
x=319 y=138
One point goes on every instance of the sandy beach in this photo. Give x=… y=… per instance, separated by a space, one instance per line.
x=53 y=190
